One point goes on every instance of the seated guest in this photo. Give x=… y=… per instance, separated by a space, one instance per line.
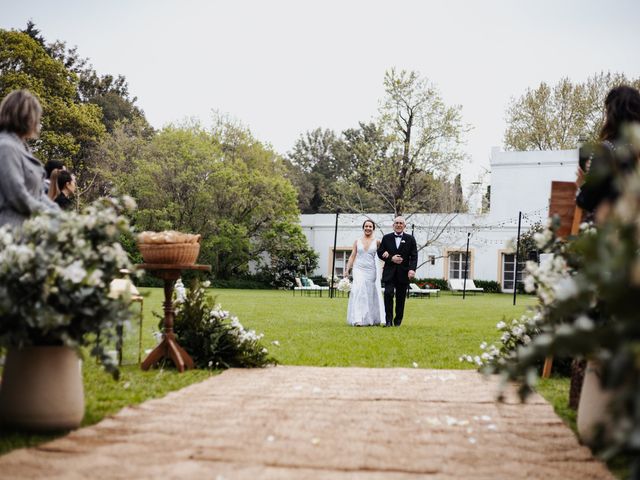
x=21 y=174
x=50 y=167
x=66 y=184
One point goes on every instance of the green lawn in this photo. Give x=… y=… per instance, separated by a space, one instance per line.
x=313 y=330
x=310 y=331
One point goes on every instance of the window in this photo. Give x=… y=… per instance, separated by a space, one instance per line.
x=457 y=265
x=342 y=256
x=508 y=260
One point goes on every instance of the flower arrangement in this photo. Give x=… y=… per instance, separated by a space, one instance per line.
x=344 y=285
x=55 y=274
x=588 y=308
x=332 y=281
x=212 y=336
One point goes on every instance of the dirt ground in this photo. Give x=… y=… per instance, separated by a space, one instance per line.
x=313 y=423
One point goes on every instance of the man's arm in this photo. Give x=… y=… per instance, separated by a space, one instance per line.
x=413 y=255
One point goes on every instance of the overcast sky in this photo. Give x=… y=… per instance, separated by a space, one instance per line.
x=285 y=67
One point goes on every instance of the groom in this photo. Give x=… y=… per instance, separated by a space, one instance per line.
x=400 y=255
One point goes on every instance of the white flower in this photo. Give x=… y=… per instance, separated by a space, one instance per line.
x=565 y=289
x=276 y=343
x=74 y=272
x=500 y=325
x=128 y=202
x=95 y=279
x=181 y=292
x=344 y=285
x=529 y=284
x=584 y=323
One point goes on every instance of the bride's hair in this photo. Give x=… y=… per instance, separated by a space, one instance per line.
x=369 y=221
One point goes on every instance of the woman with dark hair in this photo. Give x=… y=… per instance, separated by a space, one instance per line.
x=366 y=306
x=50 y=167
x=605 y=164
x=66 y=183
x=21 y=174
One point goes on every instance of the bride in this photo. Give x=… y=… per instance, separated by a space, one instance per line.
x=365 y=300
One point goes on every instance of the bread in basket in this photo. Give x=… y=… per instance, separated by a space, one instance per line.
x=169 y=247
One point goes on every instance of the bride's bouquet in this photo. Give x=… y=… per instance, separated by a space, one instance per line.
x=344 y=285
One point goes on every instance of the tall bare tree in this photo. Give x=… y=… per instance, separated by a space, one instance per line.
x=426 y=142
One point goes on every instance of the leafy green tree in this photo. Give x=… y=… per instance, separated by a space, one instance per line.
x=556 y=118
x=221 y=183
x=292 y=256
x=315 y=168
x=68 y=126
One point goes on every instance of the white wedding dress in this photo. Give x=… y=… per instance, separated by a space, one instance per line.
x=366 y=306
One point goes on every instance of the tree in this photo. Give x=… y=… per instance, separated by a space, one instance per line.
x=67 y=125
x=426 y=140
x=221 y=183
x=294 y=257
x=556 y=118
x=315 y=168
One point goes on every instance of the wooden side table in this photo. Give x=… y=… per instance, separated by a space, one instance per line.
x=169 y=347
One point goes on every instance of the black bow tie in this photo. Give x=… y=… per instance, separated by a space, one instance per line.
x=398 y=236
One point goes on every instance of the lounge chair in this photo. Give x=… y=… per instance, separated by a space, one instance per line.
x=458 y=286
x=309 y=288
x=416 y=291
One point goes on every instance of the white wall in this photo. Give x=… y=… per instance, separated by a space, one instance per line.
x=521 y=181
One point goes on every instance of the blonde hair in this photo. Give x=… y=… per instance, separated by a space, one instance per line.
x=54 y=190
x=20 y=113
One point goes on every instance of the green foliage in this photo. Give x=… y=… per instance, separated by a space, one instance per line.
x=248 y=282
x=399 y=164
x=589 y=308
x=68 y=126
x=293 y=258
x=489 y=286
x=439 y=283
x=212 y=337
x=221 y=183
x=555 y=118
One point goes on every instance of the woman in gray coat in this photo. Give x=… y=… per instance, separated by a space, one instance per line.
x=21 y=174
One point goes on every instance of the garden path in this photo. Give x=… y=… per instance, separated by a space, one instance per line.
x=310 y=423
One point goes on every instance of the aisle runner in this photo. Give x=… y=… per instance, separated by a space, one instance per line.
x=308 y=423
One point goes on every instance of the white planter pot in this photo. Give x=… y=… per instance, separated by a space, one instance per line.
x=42 y=389
x=593 y=408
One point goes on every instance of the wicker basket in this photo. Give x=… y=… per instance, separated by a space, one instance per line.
x=171 y=253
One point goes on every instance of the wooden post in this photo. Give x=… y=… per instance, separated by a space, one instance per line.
x=563 y=203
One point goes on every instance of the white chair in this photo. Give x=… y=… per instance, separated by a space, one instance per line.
x=317 y=288
x=457 y=285
x=416 y=291
x=309 y=288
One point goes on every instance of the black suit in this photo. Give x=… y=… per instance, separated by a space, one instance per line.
x=396 y=276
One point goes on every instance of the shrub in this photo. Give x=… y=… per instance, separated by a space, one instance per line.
x=249 y=282
x=439 y=283
x=212 y=336
x=489 y=286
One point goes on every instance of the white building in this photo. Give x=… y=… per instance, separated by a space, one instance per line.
x=520 y=182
